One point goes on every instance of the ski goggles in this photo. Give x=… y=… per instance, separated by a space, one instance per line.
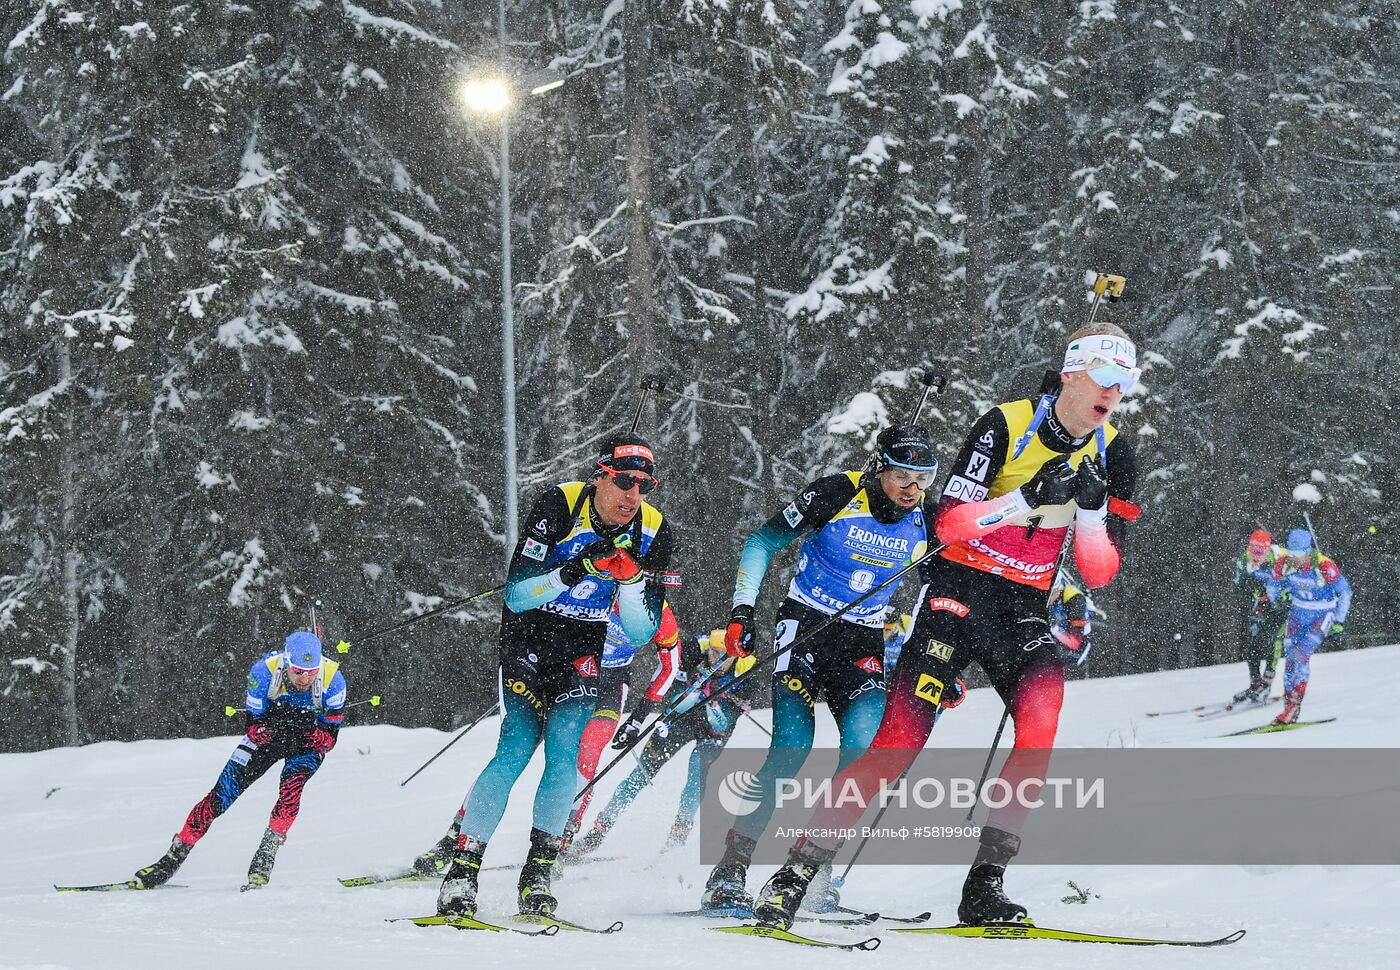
x=1108 y=373
x=904 y=477
x=626 y=481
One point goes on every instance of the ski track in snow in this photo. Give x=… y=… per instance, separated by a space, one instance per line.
x=118 y=804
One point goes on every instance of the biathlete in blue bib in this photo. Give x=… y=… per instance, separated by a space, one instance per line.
x=860 y=529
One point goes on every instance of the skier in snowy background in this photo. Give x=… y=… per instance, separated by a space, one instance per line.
x=896 y=631
x=618 y=653
x=705 y=713
x=1319 y=601
x=861 y=528
x=1005 y=516
x=1260 y=617
x=617 y=657
x=582 y=553
x=294 y=703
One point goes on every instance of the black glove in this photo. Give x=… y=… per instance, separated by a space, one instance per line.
x=1073 y=654
x=632 y=728
x=1054 y=484
x=738 y=636
x=585 y=564
x=1090 y=487
x=953 y=694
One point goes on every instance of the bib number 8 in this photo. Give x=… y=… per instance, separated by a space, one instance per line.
x=862 y=580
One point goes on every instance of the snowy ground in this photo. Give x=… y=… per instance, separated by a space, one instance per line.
x=96 y=813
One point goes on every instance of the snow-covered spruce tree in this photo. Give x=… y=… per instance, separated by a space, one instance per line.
x=927 y=102
x=729 y=87
x=566 y=231
x=360 y=454
x=722 y=80
x=1245 y=183
x=292 y=412
x=114 y=212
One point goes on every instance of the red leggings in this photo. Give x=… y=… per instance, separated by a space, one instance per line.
x=964 y=615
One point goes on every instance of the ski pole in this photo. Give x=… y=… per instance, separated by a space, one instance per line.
x=932 y=381
x=991 y=753
x=344 y=645
x=374 y=701
x=1105 y=285
x=652 y=382
x=758 y=724
x=764 y=660
x=462 y=734
x=839 y=881
x=1317 y=543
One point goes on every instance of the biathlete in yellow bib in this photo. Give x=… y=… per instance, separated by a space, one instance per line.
x=1027 y=472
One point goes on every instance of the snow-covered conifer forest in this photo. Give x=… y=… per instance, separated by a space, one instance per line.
x=250 y=303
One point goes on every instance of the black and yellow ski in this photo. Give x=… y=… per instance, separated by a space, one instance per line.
x=384 y=879
x=116 y=887
x=1274 y=727
x=540 y=919
x=1029 y=931
x=774 y=933
x=416 y=875
x=468 y=923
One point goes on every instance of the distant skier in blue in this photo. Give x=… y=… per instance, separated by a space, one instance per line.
x=295 y=705
x=1320 y=601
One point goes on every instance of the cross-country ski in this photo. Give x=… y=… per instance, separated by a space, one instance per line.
x=1029 y=931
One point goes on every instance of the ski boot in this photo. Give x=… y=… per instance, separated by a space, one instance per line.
x=822 y=895
x=457 y=897
x=983 y=899
x=1253 y=694
x=160 y=871
x=1292 y=705
x=725 y=889
x=260 y=869
x=435 y=861
x=580 y=848
x=535 y=897
x=786 y=891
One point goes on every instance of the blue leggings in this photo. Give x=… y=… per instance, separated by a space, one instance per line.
x=1305 y=632
x=794 y=724
x=524 y=722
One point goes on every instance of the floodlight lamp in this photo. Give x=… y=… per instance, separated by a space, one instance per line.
x=486 y=95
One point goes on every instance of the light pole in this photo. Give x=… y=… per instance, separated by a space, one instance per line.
x=495 y=96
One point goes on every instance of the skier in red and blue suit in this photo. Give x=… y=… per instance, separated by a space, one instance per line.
x=295 y=704
x=1320 y=599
